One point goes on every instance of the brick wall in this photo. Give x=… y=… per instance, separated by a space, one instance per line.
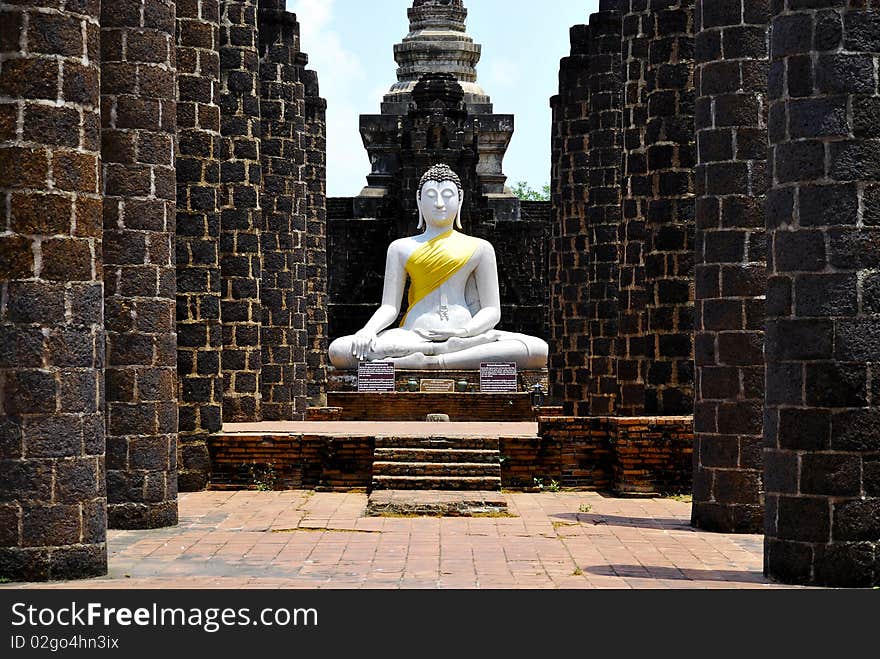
x=291 y=462
x=821 y=467
x=53 y=506
x=199 y=330
x=629 y=456
x=731 y=274
x=138 y=134
x=653 y=455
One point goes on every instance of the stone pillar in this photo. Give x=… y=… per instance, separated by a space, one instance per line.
x=569 y=256
x=241 y=216
x=283 y=289
x=138 y=110
x=637 y=26
x=822 y=409
x=53 y=505
x=603 y=206
x=731 y=263
x=199 y=332
x=314 y=172
x=669 y=248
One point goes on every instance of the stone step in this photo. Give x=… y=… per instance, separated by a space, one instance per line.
x=454 y=443
x=436 y=503
x=457 y=483
x=436 y=469
x=436 y=455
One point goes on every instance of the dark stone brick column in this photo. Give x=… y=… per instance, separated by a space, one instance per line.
x=669 y=255
x=569 y=256
x=283 y=290
x=53 y=506
x=637 y=26
x=822 y=445
x=603 y=205
x=138 y=108
x=241 y=213
x=199 y=332
x=731 y=272
x=314 y=172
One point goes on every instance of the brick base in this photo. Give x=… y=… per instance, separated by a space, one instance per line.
x=629 y=456
x=288 y=462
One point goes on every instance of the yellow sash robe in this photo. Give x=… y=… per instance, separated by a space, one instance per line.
x=435 y=262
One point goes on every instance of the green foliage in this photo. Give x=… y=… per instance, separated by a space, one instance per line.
x=264 y=477
x=538 y=484
x=585 y=508
x=526 y=193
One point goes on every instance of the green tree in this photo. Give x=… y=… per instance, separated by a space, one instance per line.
x=525 y=192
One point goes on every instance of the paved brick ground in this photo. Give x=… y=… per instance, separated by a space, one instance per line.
x=306 y=540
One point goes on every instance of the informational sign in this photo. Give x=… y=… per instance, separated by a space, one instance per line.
x=438 y=386
x=376 y=377
x=498 y=378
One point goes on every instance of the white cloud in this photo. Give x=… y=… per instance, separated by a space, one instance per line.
x=340 y=72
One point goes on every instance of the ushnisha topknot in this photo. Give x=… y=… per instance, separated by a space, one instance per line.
x=439 y=174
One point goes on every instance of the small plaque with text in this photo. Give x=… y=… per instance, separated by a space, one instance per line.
x=376 y=377
x=438 y=386
x=498 y=378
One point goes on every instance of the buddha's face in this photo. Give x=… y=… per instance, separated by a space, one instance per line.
x=440 y=203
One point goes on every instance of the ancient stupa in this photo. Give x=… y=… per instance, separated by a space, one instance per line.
x=437 y=43
x=437 y=112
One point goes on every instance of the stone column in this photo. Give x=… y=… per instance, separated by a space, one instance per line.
x=199 y=332
x=53 y=506
x=314 y=172
x=603 y=205
x=731 y=272
x=637 y=26
x=669 y=248
x=821 y=439
x=241 y=214
x=138 y=110
x=283 y=291
x=569 y=256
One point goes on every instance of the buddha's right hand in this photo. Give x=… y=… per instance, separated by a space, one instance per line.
x=362 y=344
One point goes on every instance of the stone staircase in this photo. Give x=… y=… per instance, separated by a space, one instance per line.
x=437 y=463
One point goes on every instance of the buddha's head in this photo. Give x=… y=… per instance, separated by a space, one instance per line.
x=440 y=198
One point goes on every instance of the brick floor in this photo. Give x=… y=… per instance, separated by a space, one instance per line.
x=385 y=428
x=322 y=540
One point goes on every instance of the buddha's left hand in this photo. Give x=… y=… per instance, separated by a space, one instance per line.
x=438 y=336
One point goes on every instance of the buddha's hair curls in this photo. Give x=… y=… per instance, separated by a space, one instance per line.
x=440 y=174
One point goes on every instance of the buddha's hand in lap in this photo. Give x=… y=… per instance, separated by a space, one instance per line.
x=362 y=344
x=438 y=336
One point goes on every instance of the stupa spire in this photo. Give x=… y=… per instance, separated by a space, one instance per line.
x=437 y=43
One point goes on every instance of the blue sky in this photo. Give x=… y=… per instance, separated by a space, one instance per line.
x=350 y=43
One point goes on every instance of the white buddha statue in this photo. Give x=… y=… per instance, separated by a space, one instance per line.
x=454 y=299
